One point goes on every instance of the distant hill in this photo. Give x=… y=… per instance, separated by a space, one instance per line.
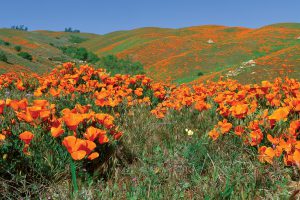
x=182 y=55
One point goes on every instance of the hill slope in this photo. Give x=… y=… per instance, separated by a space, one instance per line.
x=175 y=54
x=42 y=45
x=181 y=53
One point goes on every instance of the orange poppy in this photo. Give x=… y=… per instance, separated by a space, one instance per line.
x=214 y=134
x=57 y=131
x=92 y=133
x=72 y=120
x=103 y=139
x=94 y=155
x=26 y=137
x=266 y=154
x=224 y=126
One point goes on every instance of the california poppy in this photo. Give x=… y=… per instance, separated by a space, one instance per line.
x=26 y=137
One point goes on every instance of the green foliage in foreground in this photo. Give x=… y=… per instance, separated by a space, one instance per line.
x=115 y=65
x=155 y=159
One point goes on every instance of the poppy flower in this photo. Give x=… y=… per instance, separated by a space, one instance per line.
x=78 y=148
x=57 y=131
x=103 y=139
x=72 y=120
x=34 y=111
x=94 y=155
x=2 y=137
x=239 y=130
x=92 y=133
x=214 y=134
x=280 y=114
x=224 y=126
x=26 y=137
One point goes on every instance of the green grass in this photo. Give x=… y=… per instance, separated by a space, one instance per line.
x=158 y=160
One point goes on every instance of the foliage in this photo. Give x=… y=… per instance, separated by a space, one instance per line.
x=80 y=54
x=20 y=27
x=115 y=65
x=5 y=43
x=18 y=48
x=71 y=30
x=200 y=74
x=76 y=39
x=128 y=136
x=25 y=55
x=3 y=57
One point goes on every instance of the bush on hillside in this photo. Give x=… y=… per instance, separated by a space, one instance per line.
x=115 y=65
x=3 y=57
x=200 y=74
x=5 y=43
x=80 y=54
x=18 y=48
x=25 y=55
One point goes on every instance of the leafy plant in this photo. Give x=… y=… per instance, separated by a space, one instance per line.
x=115 y=65
x=25 y=55
x=3 y=57
x=18 y=48
x=80 y=54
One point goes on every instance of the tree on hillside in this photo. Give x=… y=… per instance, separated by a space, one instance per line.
x=71 y=30
x=20 y=28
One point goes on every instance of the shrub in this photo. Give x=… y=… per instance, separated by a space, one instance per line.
x=25 y=55
x=3 y=57
x=18 y=48
x=200 y=74
x=5 y=43
x=80 y=54
x=115 y=65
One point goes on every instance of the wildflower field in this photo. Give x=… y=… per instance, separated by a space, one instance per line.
x=78 y=132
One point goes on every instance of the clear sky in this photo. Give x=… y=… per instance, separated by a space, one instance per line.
x=103 y=16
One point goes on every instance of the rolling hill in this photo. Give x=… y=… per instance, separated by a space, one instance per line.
x=183 y=55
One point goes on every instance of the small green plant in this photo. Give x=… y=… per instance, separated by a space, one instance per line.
x=18 y=48
x=4 y=43
x=200 y=74
x=3 y=57
x=25 y=55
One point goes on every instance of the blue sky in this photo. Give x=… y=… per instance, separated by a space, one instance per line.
x=97 y=16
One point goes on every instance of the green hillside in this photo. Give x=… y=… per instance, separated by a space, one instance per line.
x=181 y=55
